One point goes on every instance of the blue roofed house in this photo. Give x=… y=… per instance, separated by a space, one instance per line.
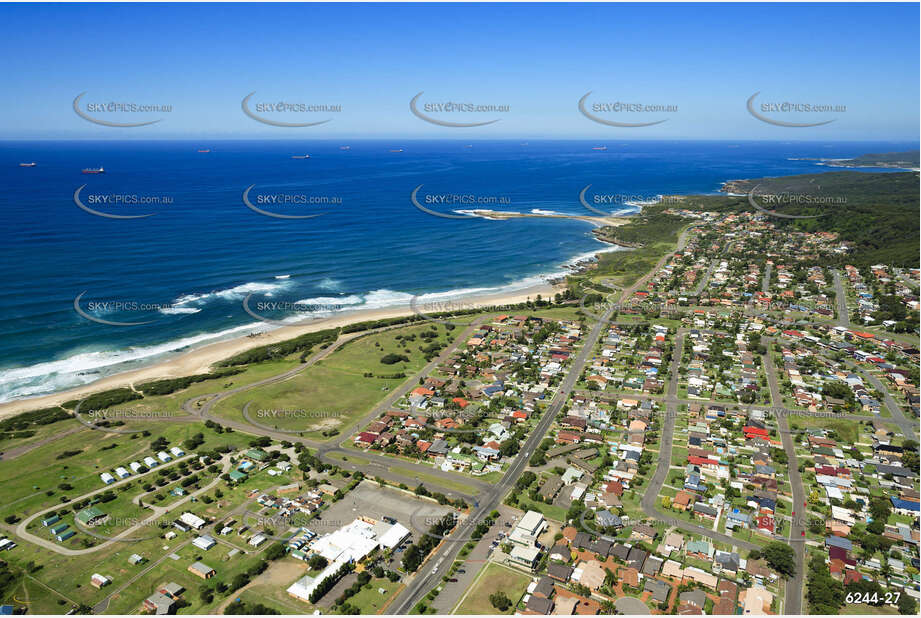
x=736 y=519
x=904 y=507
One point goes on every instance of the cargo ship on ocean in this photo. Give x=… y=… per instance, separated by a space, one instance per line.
x=27 y=164
x=93 y=170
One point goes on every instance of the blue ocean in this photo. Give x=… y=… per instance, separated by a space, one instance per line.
x=181 y=274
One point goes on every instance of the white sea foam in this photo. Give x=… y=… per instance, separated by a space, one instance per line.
x=179 y=310
x=330 y=284
x=235 y=293
x=332 y=300
x=85 y=367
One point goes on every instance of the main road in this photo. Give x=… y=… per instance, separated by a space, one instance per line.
x=842 y=318
x=446 y=553
x=793 y=598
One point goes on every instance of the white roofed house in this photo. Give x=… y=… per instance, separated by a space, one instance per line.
x=531 y=525
x=122 y=473
x=98 y=581
x=176 y=451
x=150 y=462
x=107 y=478
x=192 y=520
x=164 y=456
x=135 y=466
x=204 y=542
x=258 y=539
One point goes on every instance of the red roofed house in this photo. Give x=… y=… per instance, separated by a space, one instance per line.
x=365 y=439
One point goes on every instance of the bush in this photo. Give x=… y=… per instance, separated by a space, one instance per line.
x=390 y=359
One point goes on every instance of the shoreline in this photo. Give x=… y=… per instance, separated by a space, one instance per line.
x=201 y=359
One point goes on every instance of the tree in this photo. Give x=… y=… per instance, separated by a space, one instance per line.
x=824 y=593
x=276 y=551
x=779 y=557
x=500 y=601
x=907 y=605
x=317 y=562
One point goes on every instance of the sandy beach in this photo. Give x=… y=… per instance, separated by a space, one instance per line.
x=201 y=359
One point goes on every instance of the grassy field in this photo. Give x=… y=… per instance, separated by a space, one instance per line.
x=335 y=392
x=493 y=578
x=847 y=430
x=79 y=458
x=431 y=479
x=864 y=609
x=270 y=588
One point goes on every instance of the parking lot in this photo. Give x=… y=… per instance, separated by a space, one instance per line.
x=371 y=500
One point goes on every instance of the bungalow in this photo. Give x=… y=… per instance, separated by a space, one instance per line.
x=90 y=516
x=644 y=532
x=701 y=577
x=559 y=572
x=659 y=590
x=201 y=570
x=673 y=542
x=756 y=600
x=204 y=542
x=98 y=581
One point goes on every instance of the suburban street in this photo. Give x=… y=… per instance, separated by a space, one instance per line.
x=445 y=555
x=794 y=587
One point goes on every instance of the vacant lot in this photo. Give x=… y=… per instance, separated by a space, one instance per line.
x=493 y=578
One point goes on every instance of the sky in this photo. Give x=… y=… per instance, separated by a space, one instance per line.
x=539 y=60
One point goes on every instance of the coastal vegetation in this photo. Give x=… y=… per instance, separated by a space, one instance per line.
x=171 y=385
x=649 y=235
x=874 y=212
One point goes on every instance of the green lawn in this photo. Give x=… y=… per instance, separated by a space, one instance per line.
x=493 y=578
x=432 y=479
x=334 y=393
x=28 y=479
